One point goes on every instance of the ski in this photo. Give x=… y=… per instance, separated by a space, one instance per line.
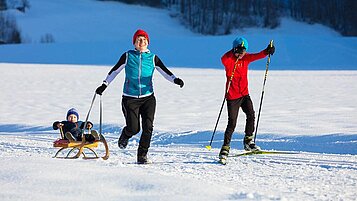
x=247 y=153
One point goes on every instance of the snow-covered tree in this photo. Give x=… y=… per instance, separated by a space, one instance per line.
x=9 y=32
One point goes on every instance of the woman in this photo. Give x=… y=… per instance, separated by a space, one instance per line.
x=138 y=94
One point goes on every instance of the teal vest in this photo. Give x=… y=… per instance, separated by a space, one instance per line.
x=139 y=70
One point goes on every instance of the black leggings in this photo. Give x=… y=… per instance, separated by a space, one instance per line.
x=233 y=108
x=133 y=108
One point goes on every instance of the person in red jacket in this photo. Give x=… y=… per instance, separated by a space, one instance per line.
x=236 y=63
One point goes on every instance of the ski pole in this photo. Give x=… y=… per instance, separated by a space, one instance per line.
x=224 y=100
x=262 y=95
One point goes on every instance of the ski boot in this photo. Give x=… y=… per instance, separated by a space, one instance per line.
x=249 y=144
x=223 y=155
x=123 y=141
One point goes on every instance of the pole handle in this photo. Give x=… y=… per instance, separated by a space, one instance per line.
x=61 y=131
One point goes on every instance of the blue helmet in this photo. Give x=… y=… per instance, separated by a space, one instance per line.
x=240 y=41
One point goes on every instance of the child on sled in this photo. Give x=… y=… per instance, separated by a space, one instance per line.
x=72 y=128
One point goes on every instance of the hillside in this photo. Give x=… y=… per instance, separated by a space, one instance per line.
x=96 y=32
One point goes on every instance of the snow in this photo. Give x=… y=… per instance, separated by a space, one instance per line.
x=310 y=112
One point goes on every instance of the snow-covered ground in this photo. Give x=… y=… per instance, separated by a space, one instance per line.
x=321 y=130
x=312 y=113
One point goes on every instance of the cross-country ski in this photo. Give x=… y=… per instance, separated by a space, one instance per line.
x=247 y=153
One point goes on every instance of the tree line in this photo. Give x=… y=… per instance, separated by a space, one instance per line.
x=219 y=17
x=9 y=31
x=215 y=17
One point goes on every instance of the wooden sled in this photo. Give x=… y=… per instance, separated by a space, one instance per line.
x=80 y=148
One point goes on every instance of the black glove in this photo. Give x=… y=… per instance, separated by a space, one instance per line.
x=100 y=89
x=178 y=81
x=270 y=50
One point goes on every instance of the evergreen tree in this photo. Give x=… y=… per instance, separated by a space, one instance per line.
x=3 y=5
x=9 y=33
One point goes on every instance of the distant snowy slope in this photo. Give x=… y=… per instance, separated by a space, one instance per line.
x=93 y=21
x=97 y=32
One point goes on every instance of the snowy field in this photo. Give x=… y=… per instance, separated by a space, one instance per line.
x=322 y=131
x=309 y=108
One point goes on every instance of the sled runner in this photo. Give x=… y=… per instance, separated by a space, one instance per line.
x=78 y=148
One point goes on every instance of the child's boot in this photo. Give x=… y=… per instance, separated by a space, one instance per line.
x=95 y=135
x=70 y=137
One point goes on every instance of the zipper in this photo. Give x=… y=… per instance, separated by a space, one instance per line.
x=140 y=68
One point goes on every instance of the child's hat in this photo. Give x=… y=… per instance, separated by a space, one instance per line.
x=140 y=32
x=73 y=111
x=240 y=41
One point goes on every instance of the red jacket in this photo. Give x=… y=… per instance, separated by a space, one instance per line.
x=239 y=85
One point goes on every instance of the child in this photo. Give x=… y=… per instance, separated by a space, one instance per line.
x=72 y=128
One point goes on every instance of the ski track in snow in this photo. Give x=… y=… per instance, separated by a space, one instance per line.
x=294 y=176
x=322 y=133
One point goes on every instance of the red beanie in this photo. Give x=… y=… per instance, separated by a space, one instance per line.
x=140 y=32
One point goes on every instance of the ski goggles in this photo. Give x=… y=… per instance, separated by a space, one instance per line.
x=239 y=50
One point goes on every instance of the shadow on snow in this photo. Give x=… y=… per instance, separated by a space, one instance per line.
x=337 y=143
x=327 y=143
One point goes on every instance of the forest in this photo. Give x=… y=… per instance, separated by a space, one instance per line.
x=220 y=17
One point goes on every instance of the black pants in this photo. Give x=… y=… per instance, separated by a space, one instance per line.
x=133 y=108
x=233 y=108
